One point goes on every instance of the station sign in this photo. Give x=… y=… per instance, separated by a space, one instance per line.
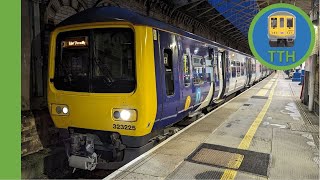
x=281 y=36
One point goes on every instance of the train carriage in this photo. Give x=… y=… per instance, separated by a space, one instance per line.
x=117 y=79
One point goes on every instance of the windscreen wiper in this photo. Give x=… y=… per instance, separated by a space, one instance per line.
x=105 y=71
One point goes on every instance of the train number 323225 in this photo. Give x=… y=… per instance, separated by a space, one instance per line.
x=125 y=127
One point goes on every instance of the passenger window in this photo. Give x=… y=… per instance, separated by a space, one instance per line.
x=234 y=72
x=186 y=70
x=289 y=22
x=281 y=22
x=167 y=58
x=274 y=22
x=198 y=70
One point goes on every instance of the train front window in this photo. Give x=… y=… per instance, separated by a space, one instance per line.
x=274 y=22
x=98 y=61
x=289 y=22
x=113 y=66
x=281 y=22
x=72 y=62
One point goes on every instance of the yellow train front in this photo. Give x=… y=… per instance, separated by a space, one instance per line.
x=102 y=87
x=281 y=29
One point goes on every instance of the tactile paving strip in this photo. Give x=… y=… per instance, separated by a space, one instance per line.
x=304 y=127
x=231 y=158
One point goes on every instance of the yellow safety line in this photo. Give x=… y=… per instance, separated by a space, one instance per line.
x=229 y=174
x=263 y=91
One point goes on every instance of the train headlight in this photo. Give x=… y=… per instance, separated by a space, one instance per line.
x=65 y=110
x=59 y=109
x=124 y=114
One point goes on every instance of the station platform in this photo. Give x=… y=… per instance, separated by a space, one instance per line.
x=263 y=133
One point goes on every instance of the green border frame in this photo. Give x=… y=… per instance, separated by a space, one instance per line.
x=262 y=12
x=10 y=78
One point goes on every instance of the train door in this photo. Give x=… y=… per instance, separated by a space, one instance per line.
x=233 y=77
x=222 y=73
x=254 y=71
x=249 y=70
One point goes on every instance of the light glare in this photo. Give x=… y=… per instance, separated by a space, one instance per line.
x=65 y=110
x=125 y=114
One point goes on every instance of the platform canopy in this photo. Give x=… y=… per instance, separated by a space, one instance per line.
x=231 y=18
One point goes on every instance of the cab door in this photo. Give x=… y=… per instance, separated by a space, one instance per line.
x=170 y=81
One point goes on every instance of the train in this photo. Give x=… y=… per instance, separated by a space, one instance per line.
x=117 y=79
x=281 y=29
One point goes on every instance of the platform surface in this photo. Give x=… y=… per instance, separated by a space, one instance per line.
x=261 y=134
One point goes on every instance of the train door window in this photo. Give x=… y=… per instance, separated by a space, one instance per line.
x=209 y=69
x=260 y=68
x=198 y=70
x=253 y=67
x=274 y=22
x=281 y=22
x=233 y=69
x=186 y=70
x=167 y=60
x=289 y=22
x=242 y=69
x=238 y=68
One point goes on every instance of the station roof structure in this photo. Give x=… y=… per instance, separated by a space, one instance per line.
x=231 y=18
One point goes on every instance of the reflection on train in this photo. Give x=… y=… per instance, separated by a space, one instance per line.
x=117 y=79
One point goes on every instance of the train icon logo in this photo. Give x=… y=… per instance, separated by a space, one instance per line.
x=281 y=36
x=281 y=29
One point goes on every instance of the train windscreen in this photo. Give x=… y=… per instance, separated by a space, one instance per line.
x=97 y=61
x=274 y=22
x=289 y=22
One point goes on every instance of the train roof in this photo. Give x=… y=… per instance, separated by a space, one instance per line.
x=105 y=14
x=281 y=13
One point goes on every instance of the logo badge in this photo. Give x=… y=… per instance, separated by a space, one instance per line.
x=281 y=36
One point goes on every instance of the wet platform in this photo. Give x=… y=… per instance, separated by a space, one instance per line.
x=264 y=133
